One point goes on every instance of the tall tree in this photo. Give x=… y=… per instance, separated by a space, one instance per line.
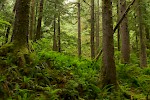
x=54 y=26
x=97 y=44
x=58 y=36
x=108 y=69
x=38 y=30
x=143 y=58
x=118 y=18
x=32 y=20
x=21 y=28
x=92 y=30
x=79 y=30
x=125 y=44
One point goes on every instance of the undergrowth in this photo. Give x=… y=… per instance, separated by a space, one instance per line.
x=50 y=75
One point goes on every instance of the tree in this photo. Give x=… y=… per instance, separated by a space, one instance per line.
x=118 y=17
x=38 y=30
x=97 y=43
x=32 y=20
x=92 y=30
x=54 y=26
x=125 y=44
x=79 y=30
x=21 y=30
x=58 y=36
x=108 y=69
x=143 y=58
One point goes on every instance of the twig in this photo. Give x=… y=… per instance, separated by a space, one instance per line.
x=98 y=55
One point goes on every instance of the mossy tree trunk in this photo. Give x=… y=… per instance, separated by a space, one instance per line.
x=21 y=30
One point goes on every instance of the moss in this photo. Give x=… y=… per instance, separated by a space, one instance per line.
x=21 y=56
x=18 y=52
x=6 y=49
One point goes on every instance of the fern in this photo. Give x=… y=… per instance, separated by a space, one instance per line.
x=2 y=22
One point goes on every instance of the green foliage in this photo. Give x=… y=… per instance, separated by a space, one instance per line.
x=50 y=75
x=134 y=79
x=2 y=22
x=84 y=76
x=54 y=75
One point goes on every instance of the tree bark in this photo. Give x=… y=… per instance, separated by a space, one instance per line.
x=108 y=68
x=92 y=30
x=21 y=26
x=21 y=30
x=125 y=42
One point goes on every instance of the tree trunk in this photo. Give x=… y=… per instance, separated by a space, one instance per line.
x=125 y=44
x=15 y=6
x=143 y=58
x=21 y=30
x=59 y=42
x=14 y=24
x=79 y=30
x=32 y=20
x=108 y=69
x=54 y=35
x=97 y=29
x=38 y=30
x=118 y=18
x=92 y=30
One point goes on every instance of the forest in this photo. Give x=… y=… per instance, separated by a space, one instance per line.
x=74 y=49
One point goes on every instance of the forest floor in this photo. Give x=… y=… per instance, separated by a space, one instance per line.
x=51 y=75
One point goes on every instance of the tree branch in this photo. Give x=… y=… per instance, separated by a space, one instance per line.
x=86 y=3
x=123 y=16
x=98 y=55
